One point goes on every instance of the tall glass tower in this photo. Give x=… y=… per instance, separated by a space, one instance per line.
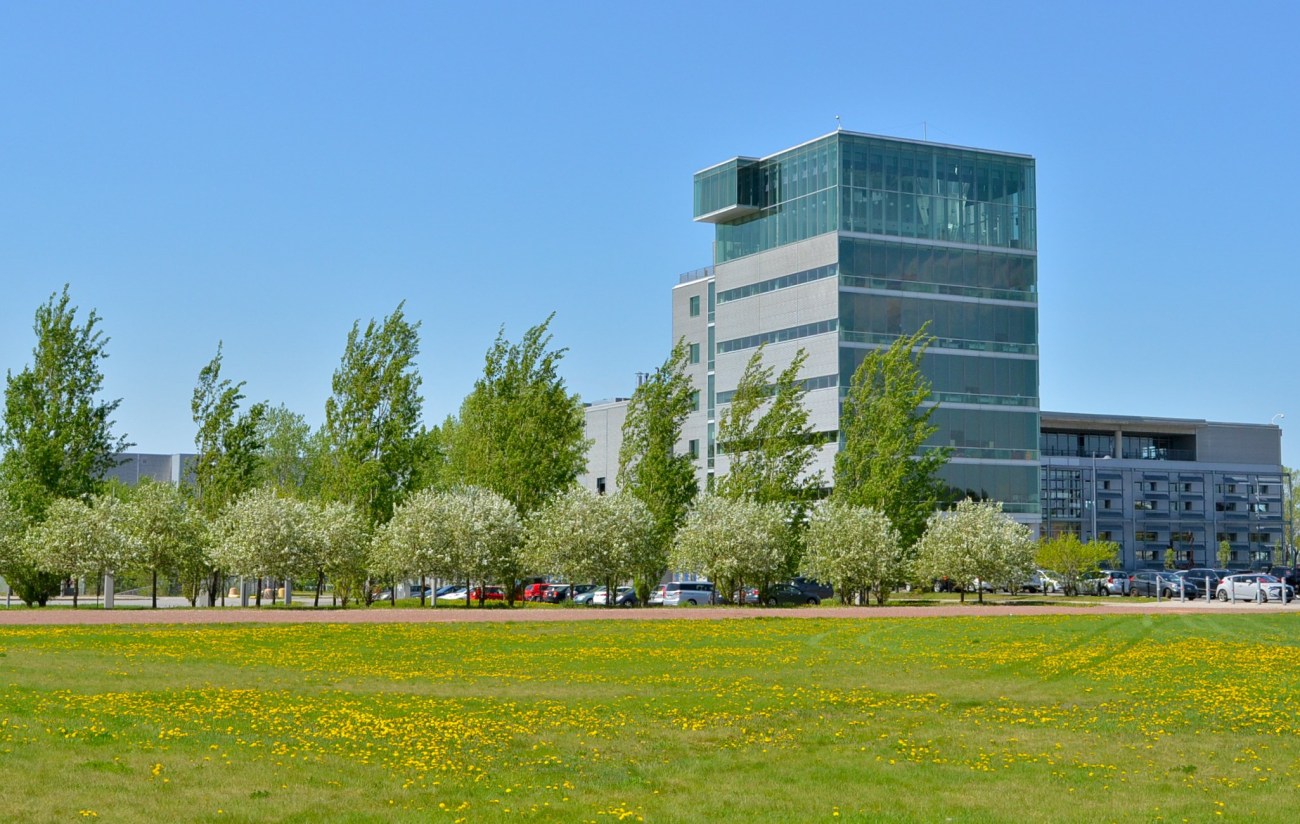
x=843 y=244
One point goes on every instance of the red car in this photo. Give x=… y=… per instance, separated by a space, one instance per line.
x=535 y=592
x=493 y=594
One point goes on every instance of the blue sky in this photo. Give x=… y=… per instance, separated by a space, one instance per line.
x=265 y=174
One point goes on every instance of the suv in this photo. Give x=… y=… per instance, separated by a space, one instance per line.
x=687 y=593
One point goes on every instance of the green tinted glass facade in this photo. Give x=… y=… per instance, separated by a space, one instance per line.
x=928 y=235
x=876 y=186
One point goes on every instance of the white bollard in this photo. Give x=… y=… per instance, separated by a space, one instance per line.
x=108 y=590
x=288 y=592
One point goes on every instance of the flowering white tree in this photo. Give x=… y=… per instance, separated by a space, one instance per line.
x=854 y=548
x=417 y=540
x=486 y=533
x=83 y=539
x=340 y=539
x=264 y=535
x=734 y=542
x=589 y=537
x=169 y=530
x=975 y=541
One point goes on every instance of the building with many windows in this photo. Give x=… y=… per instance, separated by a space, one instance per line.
x=1157 y=486
x=843 y=244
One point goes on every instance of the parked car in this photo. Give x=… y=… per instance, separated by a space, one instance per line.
x=1253 y=586
x=1202 y=577
x=1161 y=584
x=533 y=592
x=1043 y=580
x=1106 y=582
x=584 y=598
x=449 y=591
x=492 y=593
x=559 y=593
x=778 y=594
x=623 y=597
x=684 y=593
x=808 y=586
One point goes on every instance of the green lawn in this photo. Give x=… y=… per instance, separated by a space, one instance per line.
x=1064 y=718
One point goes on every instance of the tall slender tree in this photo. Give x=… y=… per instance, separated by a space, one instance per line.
x=373 y=416
x=57 y=434
x=56 y=437
x=520 y=432
x=884 y=424
x=228 y=443
x=768 y=439
x=650 y=467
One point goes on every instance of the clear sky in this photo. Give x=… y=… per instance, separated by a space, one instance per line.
x=264 y=174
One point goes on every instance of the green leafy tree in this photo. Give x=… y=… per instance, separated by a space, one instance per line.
x=23 y=577
x=884 y=424
x=975 y=542
x=372 y=418
x=289 y=454
x=589 y=537
x=735 y=542
x=855 y=549
x=227 y=442
x=520 y=432
x=649 y=465
x=1225 y=553
x=766 y=436
x=56 y=437
x=1074 y=559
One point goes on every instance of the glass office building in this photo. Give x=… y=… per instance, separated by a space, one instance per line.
x=845 y=243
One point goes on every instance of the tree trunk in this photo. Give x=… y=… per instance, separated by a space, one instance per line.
x=320 y=585
x=74 y=593
x=155 y=588
x=259 y=591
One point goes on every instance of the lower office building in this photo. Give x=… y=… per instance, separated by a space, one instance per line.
x=1157 y=486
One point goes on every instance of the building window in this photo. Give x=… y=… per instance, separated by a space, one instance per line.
x=1147 y=537
x=1105 y=484
x=695 y=400
x=695 y=306
x=1225 y=506
x=1105 y=504
x=693 y=447
x=1263 y=489
x=1145 y=506
x=1148 y=555
x=695 y=353
x=1259 y=507
x=600 y=486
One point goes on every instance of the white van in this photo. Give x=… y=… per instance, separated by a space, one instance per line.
x=688 y=593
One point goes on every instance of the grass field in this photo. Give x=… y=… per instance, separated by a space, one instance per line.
x=1062 y=718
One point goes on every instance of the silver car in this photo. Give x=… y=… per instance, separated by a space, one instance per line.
x=1106 y=582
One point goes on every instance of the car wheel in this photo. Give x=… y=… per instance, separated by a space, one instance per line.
x=690 y=603
x=812 y=602
x=771 y=602
x=1263 y=596
x=1223 y=595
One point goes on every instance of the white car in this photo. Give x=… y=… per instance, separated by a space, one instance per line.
x=1253 y=586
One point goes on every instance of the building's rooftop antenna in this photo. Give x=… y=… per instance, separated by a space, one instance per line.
x=838 y=124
